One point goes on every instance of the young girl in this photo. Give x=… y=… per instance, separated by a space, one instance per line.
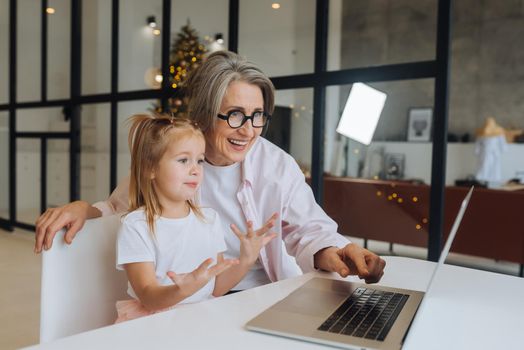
x=166 y=243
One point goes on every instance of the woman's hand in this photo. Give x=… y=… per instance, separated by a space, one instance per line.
x=351 y=260
x=71 y=216
x=189 y=283
x=253 y=241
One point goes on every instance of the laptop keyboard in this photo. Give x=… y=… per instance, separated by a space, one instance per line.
x=367 y=313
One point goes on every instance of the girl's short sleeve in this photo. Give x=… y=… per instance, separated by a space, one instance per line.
x=134 y=244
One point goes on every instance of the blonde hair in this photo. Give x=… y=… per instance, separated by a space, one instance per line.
x=149 y=138
x=207 y=85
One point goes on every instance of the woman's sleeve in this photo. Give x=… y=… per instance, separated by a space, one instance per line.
x=118 y=201
x=306 y=228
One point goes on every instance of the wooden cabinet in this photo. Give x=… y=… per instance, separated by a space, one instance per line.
x=398 y=212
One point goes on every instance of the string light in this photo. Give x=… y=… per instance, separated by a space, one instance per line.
x=50 y=10
x=415 y=199
x=418 y=227
x=275 y=5
x=400 y=200
x=379 y=193
x=156 y=31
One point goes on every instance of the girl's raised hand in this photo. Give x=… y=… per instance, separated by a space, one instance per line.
x=253 y=241
x=189 y=283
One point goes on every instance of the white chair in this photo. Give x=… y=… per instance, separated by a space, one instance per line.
x=80 y=283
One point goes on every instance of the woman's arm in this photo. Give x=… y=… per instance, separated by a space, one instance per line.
x=311 y=236
x=73 y=216
x=156 y=297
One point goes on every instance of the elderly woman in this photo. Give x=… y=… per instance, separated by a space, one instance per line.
x=246 y=178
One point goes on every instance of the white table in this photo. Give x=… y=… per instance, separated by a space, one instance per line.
x=470 y=309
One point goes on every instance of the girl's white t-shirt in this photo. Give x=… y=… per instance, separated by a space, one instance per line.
x=179 y=245
x=219 y=190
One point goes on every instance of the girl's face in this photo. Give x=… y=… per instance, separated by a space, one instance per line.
x=179 y=172
x=226 y=145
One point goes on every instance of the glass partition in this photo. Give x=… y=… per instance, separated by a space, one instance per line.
x=96 y=47
x=28 y=64
x=373 y=33
x=291 y=125
x=126 y=110
x=28 y=180
x=4 y=51
x=95 y=154
x=279 y=39
x=486 y=132
x=58 y=49
x=58 y=172
x=486 y=85
x=4 y=165
x=139 y=43
x=387 y=181
x=50 y=119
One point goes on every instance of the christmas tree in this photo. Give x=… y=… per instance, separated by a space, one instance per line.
x=187 y=53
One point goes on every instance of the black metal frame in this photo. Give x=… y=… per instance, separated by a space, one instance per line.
x=318 y=80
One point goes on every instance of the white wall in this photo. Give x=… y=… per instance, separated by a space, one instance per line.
x=461 y=163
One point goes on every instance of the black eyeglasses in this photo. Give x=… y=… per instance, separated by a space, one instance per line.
x=235 y=119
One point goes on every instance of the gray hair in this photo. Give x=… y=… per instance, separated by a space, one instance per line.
x=207 y=85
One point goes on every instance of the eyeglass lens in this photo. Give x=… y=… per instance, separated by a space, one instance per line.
x=236 y=119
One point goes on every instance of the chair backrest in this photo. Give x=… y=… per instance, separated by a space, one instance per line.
x=80 y=283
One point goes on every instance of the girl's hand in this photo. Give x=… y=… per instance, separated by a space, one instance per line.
x=253 y=241
x=189 y=283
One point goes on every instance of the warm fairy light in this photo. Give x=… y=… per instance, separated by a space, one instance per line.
x=415 y=199
x=193 y=59
x=158 y=78
x=275 y=5
x=156 y=31
x=50 y=10
x=379 y=193
x=390 y=198
x=425 y=221
x=375 y=177
x=400 y=200
x=394 y=195
x=418 y=227
x=174 y=85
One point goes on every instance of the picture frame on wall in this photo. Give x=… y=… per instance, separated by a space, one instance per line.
x=419 y=124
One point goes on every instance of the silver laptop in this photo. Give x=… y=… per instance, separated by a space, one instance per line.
x=349 y=315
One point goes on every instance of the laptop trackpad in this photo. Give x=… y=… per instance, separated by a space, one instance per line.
x=311 y=302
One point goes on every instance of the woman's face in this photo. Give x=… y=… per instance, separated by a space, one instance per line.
x=225 y=145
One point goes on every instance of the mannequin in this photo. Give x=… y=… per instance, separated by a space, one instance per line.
x=490 y=128
x=490 y=144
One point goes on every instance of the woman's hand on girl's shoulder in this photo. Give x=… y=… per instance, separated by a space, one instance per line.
x=189 y=283
x=253 y=241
